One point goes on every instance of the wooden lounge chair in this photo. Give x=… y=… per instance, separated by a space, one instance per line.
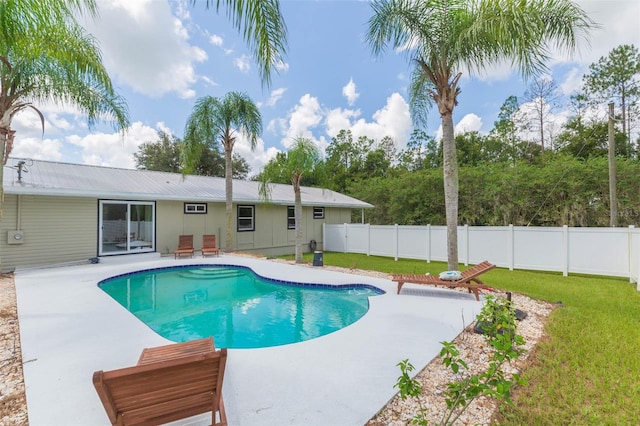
x=185 y=246
x=168 y=386
x=469 y=279
x=209 y=245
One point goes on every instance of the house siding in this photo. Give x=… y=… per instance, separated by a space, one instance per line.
x=65 y=229
x=56 y=230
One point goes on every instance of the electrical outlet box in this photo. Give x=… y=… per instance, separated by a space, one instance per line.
x=15 y=237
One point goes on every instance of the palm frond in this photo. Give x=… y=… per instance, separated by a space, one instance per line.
x=263 y=28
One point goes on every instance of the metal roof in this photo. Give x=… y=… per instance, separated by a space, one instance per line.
x=40 y=177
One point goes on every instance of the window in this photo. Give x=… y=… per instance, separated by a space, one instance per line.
x=318 y=212
x=246 y=218
x=291 y=217
x=195 y=208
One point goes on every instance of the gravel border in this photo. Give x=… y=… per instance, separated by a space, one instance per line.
x=13 y=400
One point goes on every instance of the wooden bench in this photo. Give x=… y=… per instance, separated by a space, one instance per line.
x=169 y=383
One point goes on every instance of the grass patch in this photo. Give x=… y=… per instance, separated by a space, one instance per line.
x=587 y=371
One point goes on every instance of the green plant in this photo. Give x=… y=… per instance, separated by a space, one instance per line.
x=410 y=387
x=499 y=325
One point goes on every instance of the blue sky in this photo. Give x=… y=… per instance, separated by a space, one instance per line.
x=163 y=55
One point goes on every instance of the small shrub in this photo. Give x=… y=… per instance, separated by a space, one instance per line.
x=499 y=325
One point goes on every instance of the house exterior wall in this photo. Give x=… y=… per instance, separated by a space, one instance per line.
x=56 y=230
x=65 y=229
x=270 y=235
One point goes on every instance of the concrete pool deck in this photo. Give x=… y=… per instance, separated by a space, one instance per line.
x=69 y=328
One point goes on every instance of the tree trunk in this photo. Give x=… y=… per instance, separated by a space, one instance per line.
x=450 y=170
x=298 y=219
x=228 y=177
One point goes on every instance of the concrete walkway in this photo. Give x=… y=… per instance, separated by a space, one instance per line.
x=69 y=328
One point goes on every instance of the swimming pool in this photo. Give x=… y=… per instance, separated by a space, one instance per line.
x=239 y=308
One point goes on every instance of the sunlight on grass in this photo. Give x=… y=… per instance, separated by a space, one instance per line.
x=587 y=371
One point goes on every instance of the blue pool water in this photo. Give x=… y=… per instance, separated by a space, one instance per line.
x=239 y=308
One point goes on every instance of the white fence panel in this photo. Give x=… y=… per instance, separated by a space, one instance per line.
x=413 y=242
x=491 y=242
x=599 y=251
x=538 y=248
x=334 y=238
x=383 y=241
x=439 y=243
x=357 y=238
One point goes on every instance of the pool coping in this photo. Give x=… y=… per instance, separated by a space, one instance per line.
x=342 y=378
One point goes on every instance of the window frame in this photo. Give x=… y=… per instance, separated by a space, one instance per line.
x=252 y=227
x=199 y=208
x=321 y=213
x=291 y=219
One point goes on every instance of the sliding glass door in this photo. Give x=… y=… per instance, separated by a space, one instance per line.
x=126 y=227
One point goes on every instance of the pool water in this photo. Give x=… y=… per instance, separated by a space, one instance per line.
x=239 y=308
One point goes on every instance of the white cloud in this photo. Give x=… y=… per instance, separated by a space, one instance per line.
x=304 y=117
x=349 y=92
x=572 y=82
x=243 y=63
x=468 y=123
x=36 y=148
x=258 y=157
x=393 y=120
x=149 y=50
x=339 y=119
x=282 y=66
x=114 y=149
x=618 y=20
x=216 y=40
x=274 y=97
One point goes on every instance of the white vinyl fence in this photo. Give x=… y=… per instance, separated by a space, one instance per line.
x=597 y=251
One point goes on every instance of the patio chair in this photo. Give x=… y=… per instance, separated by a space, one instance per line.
x=185 y=246
x=209 y=245
x=164 y=389
x=469 y=279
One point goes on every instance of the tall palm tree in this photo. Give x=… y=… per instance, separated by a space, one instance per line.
x=263 y=29
x=46 y=56
x=299 y=161
x=445 y=37
x=220 y=119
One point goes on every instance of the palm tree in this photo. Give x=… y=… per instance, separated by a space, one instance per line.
x=214 y=118
x=299 y=161
x=263 y=28
x=45 y=56
x=443 y=37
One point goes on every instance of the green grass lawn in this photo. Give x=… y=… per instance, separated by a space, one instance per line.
x=587 y=371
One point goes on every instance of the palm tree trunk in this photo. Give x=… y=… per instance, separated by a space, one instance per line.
x=298 y=219
x=450 y=170
x=228 y=177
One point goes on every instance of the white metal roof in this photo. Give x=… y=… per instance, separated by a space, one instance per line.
x=78 y=180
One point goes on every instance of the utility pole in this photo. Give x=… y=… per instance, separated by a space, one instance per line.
x=613 y=202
